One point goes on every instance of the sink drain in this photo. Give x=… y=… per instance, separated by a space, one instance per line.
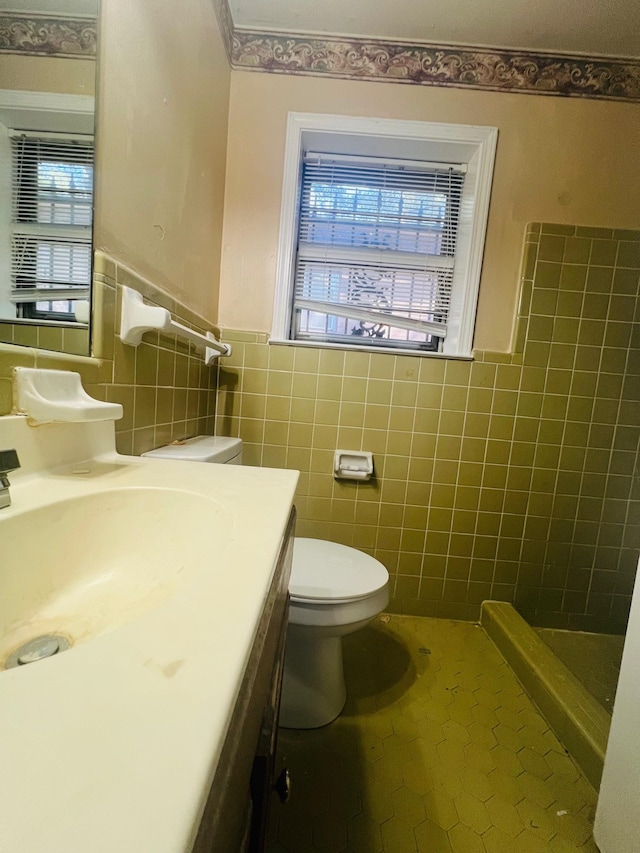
x=37 y=649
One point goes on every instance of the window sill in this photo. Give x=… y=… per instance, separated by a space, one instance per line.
x=377 y=350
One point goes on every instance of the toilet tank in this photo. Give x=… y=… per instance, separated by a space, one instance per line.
x=202 y=448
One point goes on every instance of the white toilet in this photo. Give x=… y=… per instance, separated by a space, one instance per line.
x=334 y=590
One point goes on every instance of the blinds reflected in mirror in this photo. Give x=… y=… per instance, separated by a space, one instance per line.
x=52 y=213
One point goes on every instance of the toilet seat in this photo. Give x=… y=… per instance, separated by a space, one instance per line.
x=327 y=572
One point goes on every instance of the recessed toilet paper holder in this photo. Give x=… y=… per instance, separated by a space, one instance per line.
x=352 y=465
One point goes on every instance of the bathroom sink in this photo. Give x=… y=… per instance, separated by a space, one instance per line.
x=159 y=574
x=82 y=565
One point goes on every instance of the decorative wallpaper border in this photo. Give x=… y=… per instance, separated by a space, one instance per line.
x=438 y=65
x=225 y=22
x=41 y=35
x=499 y=70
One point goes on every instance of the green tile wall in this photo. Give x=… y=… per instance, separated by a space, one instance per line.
x=163 y=384
x=69 y=339
x=508 y=477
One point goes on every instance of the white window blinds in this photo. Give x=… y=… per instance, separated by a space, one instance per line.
x=52 y=200
x=376 y=250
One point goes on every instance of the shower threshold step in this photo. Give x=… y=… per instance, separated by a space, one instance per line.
x=576 y=717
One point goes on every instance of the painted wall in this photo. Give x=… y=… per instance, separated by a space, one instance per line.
x=47 y=74
x=558 y=160
x=164 y=89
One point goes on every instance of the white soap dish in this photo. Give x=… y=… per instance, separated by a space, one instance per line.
x=49 y=396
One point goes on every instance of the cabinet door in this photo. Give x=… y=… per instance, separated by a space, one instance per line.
x=253 y=730
x=263 y=774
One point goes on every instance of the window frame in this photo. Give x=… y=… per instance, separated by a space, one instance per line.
x=471 y=145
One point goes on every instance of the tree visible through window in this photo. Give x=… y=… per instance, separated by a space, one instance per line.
x=376 y=248
x=382 y=232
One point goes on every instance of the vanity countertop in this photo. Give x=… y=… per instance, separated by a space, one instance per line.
x=112 y=745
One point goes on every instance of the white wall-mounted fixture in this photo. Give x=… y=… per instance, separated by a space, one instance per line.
x=57 y=396
x=137 y=318
x=352 y=465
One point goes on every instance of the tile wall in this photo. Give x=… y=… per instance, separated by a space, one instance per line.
x=69 y=339
x=163 y=384
x=508 y=477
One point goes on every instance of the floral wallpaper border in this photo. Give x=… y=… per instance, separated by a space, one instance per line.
x=42 y=35
x=470 y=67
x=438 y=65
x=225 y=22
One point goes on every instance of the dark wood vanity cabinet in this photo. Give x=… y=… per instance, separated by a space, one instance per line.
x=236 y=813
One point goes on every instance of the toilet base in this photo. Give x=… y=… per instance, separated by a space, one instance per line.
x=313 y=688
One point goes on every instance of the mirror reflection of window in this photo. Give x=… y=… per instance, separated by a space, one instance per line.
x=48 y=58
x=52 y=195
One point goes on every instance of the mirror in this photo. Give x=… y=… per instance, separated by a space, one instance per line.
x=47 y=112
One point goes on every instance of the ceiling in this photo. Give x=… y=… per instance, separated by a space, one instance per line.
x=592 y=27
x=82 y=8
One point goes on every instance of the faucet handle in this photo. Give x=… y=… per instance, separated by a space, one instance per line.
x=8 y=461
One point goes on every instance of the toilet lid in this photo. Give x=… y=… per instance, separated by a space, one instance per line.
x=201 y=448
x=327 y=571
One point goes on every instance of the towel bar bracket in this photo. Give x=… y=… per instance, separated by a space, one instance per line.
x=137 y=318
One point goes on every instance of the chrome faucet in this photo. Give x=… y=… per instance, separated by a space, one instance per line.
x=8 y=462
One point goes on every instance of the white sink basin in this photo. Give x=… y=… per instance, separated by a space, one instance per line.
x=159 y=573
x=83 y=565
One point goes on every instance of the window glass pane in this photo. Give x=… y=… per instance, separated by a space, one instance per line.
x=375 y=252
x=406 y=221
x=64 y=193
x=63 y=263
x=52 y=189
x=389 y=300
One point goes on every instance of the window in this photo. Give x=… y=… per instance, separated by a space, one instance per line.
x=376 y=248
x=52 y=208
x=382 y=232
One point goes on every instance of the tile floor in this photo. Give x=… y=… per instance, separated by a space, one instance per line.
x=593 y=658
x=438 y=750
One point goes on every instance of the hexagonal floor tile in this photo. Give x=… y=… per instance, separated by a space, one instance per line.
x=398 y=835
x=417 y=776
x=534 y=763
x=465 y=840
x=477 y=784
x=431 y=838
x=440 y=809
x=536 y=820
x=472 y=813
x=456 y=760
x=506 y=760
x=408 y=806
x=479 y=757
x=504 y=816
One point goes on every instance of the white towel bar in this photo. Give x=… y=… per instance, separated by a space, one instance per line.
x=137 y=318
